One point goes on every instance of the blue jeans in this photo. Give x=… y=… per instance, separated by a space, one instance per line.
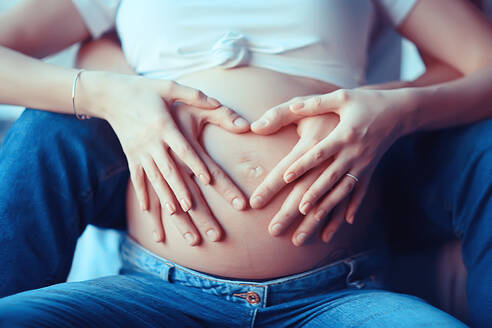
x=154 y=292
x=438 y=185
x=57 y=174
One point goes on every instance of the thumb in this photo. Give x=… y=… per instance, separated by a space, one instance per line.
x=321 y=104
x=274 y=119
x=177 y=92
x=227 y=119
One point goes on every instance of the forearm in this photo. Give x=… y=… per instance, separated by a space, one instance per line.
x=461 y=101
x=436 y=73
x=29 y=82
x=41 y=28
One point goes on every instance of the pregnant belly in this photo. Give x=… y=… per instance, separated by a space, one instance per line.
x=247 y=251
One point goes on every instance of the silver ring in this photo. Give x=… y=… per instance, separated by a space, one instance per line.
x=353 y=177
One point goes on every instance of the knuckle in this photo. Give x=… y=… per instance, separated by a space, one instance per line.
x=333 y=177
x=318 y=155
x=274 y=114
x=312 y=194
x=154 y=176
x=167 y=170
x=183 y=150
x=137 y=171
x=350 y=135
x=342 y=95
x=316 y=101
x=216 y=173
x=196 y=95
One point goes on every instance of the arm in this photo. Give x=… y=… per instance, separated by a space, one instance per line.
x=41 y=28
x=371 y=120
x=137 y=108
x=435 y=72
x=106 y=54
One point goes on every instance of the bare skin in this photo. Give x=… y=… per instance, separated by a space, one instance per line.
x=247 y=250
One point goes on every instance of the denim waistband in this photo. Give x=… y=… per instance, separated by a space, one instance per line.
x=356 y=271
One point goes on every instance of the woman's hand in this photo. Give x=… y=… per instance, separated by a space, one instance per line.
x=138 y=109
x=370 y=121
x=199 y=222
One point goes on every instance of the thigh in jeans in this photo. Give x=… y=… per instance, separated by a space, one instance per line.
x=57 y=175
x=359 y=308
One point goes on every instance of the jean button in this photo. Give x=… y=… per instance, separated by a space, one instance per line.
x=252 y=298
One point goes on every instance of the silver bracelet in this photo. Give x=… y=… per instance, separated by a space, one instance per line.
x=78 y=116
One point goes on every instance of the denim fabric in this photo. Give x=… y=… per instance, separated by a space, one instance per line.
x=57 y=174
x=154 y=292
x=438 y=185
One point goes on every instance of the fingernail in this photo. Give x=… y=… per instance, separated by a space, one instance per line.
x=289 y=177
x=170 y=208
x=297 y=106
x=238 y=203
x=203 y=179
x=260 y=124
x=319 y=215
x=241 y=122
x=276 y=229
x=305 y=207
x=185 y=204
x=300 y=237
x=155 y=235
x=350 y=220
x=329 y=236
x=143 y=207
x=256 y=201
x=213 y=101
x=189 y=238
x=212 y=235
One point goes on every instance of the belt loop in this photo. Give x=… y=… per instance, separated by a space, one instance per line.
x=166 y=272
x=351 y=279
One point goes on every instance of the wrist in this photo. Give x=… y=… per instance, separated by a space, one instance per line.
x=407 y=107
x=91 y=92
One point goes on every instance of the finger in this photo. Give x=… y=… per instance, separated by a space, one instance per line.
x=183 y=150
x=274 y=119
x=289 y=213
x=200 y=214
x=156 y=215
x=323 y=184
x=222 y=184
x=137 y=176
x=178 y=92
x=227 y=119
x=185 y=226
x=160 y=186
x=321 y=104
x=334 y=197
x=337 y=219
x=306 y=229
x=356 y=199
x=315 y=156
x=172 y=176
x=274 y=181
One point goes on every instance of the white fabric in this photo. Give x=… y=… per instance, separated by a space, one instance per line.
x=98 y=15
x=322 y=39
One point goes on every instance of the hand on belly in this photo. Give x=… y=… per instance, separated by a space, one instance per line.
x=247 y=250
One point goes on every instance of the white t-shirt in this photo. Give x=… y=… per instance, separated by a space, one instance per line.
x=321 y=39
